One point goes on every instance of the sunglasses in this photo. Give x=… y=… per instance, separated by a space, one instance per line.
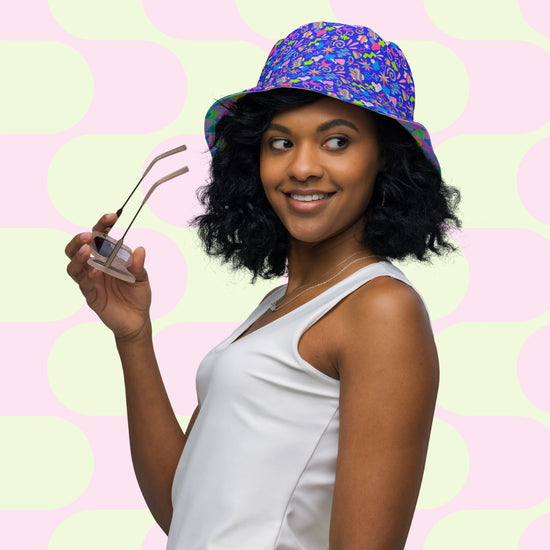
x=112 y=256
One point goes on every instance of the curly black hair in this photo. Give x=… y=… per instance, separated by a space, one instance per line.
x=409 y=214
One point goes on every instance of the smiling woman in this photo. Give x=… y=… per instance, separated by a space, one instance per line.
x=313 y=416
x=318 y=165
x=409 y=212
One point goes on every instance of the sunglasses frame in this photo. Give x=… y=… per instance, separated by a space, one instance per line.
x=118 y=266
x=114 y=264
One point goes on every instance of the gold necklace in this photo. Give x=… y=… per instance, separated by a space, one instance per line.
x=281 y=302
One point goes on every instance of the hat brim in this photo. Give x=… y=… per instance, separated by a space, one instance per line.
x=223 y=107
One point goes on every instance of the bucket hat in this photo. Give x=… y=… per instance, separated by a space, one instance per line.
x=347 y=62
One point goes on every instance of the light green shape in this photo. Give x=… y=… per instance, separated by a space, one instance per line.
x=214 y=69
x=34 y=286
x=442 y=282
x=84 y=371
x=447 y=466
x=441 y=83
x=102 y=19
x=479 y=530
x=47 y=87
x=479 y=368
x=94 y=174
x=102 y=529
x=277 y=19
x=85 y=374
x=46 y=463
x=214 y=291
x=479 y=20
x=484 y=168
x=183 y=421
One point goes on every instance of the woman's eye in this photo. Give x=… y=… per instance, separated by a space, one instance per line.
x=280 y=143
x=336 y=143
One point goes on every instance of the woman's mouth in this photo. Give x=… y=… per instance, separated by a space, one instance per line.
x=309 y=198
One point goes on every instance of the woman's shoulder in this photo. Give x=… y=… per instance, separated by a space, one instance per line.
x=383 y=327
x=383 y=304
x=387 y=291
x=390 y=292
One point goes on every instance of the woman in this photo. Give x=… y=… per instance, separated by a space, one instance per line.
x=314 y=415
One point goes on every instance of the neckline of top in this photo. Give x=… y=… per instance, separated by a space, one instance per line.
x=263 y=306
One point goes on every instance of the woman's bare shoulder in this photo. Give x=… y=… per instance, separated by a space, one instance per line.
x=384 y=324
x=384 y=299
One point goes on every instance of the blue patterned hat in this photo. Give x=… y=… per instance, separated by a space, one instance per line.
x=347 y=62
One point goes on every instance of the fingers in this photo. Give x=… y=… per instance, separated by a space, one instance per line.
x=105 y=222
x=76 y=242
x=85 y=238
x=78 y=250
x=77 y=267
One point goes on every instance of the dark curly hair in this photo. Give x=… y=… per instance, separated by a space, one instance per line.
x=409 y=214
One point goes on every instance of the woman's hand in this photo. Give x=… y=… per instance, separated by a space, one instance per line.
x=122 y=306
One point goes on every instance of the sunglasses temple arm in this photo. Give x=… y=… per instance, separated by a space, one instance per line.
x=147 y=170
x=170 y=176
x=113 y=254
x=118 y=245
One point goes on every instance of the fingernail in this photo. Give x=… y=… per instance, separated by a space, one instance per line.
x=82 y=250
x=85 y=236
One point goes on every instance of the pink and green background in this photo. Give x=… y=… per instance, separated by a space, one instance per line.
x=91 y=91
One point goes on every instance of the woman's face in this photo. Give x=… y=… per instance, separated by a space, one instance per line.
x=318 y=164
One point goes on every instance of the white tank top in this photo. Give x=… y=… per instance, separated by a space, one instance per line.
x=257 y=471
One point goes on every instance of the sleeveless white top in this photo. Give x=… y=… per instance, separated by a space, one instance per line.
x=257 y=471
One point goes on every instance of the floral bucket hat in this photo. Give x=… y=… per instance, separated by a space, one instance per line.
x=346 y=62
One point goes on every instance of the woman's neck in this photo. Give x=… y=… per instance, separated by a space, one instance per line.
x=308 y=263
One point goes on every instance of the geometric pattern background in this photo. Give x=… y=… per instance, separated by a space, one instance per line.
x=93 y=90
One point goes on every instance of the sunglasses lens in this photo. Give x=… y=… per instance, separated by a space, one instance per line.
x=104 y=248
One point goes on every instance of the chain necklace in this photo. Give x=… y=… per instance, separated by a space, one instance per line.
x=281 y=302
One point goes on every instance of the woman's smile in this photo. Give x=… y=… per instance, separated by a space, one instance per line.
x=318 y=165
x=308 y=201
x=309 y=197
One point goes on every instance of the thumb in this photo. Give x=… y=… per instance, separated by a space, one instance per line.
x=138 y=264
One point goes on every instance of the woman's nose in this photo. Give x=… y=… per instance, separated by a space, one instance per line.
x=305 y=163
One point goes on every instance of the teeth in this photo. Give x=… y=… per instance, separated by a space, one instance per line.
x=309 y=198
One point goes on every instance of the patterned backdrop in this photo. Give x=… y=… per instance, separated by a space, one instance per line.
x=92 y=90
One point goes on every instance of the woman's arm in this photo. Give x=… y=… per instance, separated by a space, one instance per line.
x=156 y=438
x=389 y=377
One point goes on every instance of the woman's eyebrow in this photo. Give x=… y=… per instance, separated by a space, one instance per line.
x=336 y=122
x=279 y=128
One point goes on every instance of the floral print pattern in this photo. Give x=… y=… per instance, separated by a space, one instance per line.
x=350 y=63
